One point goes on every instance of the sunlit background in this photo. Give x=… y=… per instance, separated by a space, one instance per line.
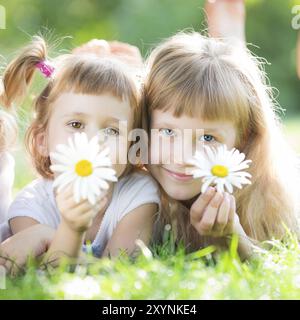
x=144 y=23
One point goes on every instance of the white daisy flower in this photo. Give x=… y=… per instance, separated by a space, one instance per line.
x=83 y=164
x=220 y=167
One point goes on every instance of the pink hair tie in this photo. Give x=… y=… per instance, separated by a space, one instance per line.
x=45 y=68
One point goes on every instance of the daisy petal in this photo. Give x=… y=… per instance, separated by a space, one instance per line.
x=106 y=173
x=228 y=186
x=206 y=184
x=61 y=178
x=59 y=168
x=198 y=173
x=220 y=186
x=76 y=190
x=101 y=183
x=62 y=159
x=89 y=182
x=228 y=168
x=84 y=188
x=102 y=162
x=91 y=198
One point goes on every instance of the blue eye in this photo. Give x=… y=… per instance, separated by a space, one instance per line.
x=111 y=131
x=76 y=125
x=167 y=132
x=207 y=138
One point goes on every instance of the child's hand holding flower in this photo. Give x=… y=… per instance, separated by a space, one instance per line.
x=78 y=216
x=214 y=212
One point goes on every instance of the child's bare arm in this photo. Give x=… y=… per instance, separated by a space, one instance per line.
x=33 y=241
x=124 y=51
x=19 y=224
x=7 y=167
x=76 y=218
x=226 y=19
x=135 y=225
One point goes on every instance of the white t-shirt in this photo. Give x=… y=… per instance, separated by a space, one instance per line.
x=37 y=201
x=7 y=175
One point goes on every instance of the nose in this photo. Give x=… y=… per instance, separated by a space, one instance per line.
x=102 y=137
x=93 y=130
x=183 y=149
x=189 y=149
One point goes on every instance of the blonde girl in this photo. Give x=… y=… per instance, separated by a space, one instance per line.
x=195 y=82
x=87 y=94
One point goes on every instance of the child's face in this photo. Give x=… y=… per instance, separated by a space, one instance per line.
x=94 y=115
x=171 y=175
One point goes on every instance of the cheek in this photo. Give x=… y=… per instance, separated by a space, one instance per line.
x=231 y=144
x=154 y=154
x=118 y=155
x=154 y=170
x=175 y=190
x=232 y=139
x=161 y=151
x=118 y=150
x=56 y=135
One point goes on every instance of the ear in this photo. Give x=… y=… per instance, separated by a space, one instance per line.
x=41 y=144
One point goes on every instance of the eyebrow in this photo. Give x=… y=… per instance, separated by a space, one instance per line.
x=165 y=125
x=78 y=114
x=213 y=130
x=85 y=115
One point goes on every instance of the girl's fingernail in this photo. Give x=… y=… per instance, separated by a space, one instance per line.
x=210 y=190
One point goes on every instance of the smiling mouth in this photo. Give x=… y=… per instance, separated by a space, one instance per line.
x=179 y=176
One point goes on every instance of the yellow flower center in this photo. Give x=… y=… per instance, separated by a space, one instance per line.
x=84 y=168
x=219 y=171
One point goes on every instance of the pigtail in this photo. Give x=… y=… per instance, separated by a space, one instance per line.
x=19 y=72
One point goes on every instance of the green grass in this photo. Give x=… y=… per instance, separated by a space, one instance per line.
x=273 y=274
x=165 y=274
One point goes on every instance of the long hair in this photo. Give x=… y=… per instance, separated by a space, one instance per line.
x=79 y=73
x=197 y=76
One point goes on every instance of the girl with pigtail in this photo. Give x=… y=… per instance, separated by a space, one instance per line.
x=84 y=95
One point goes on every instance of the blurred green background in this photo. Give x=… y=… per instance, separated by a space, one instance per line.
x=144 y=23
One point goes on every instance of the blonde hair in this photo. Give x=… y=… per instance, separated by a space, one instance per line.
x=79 y=73
x=203 y=77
